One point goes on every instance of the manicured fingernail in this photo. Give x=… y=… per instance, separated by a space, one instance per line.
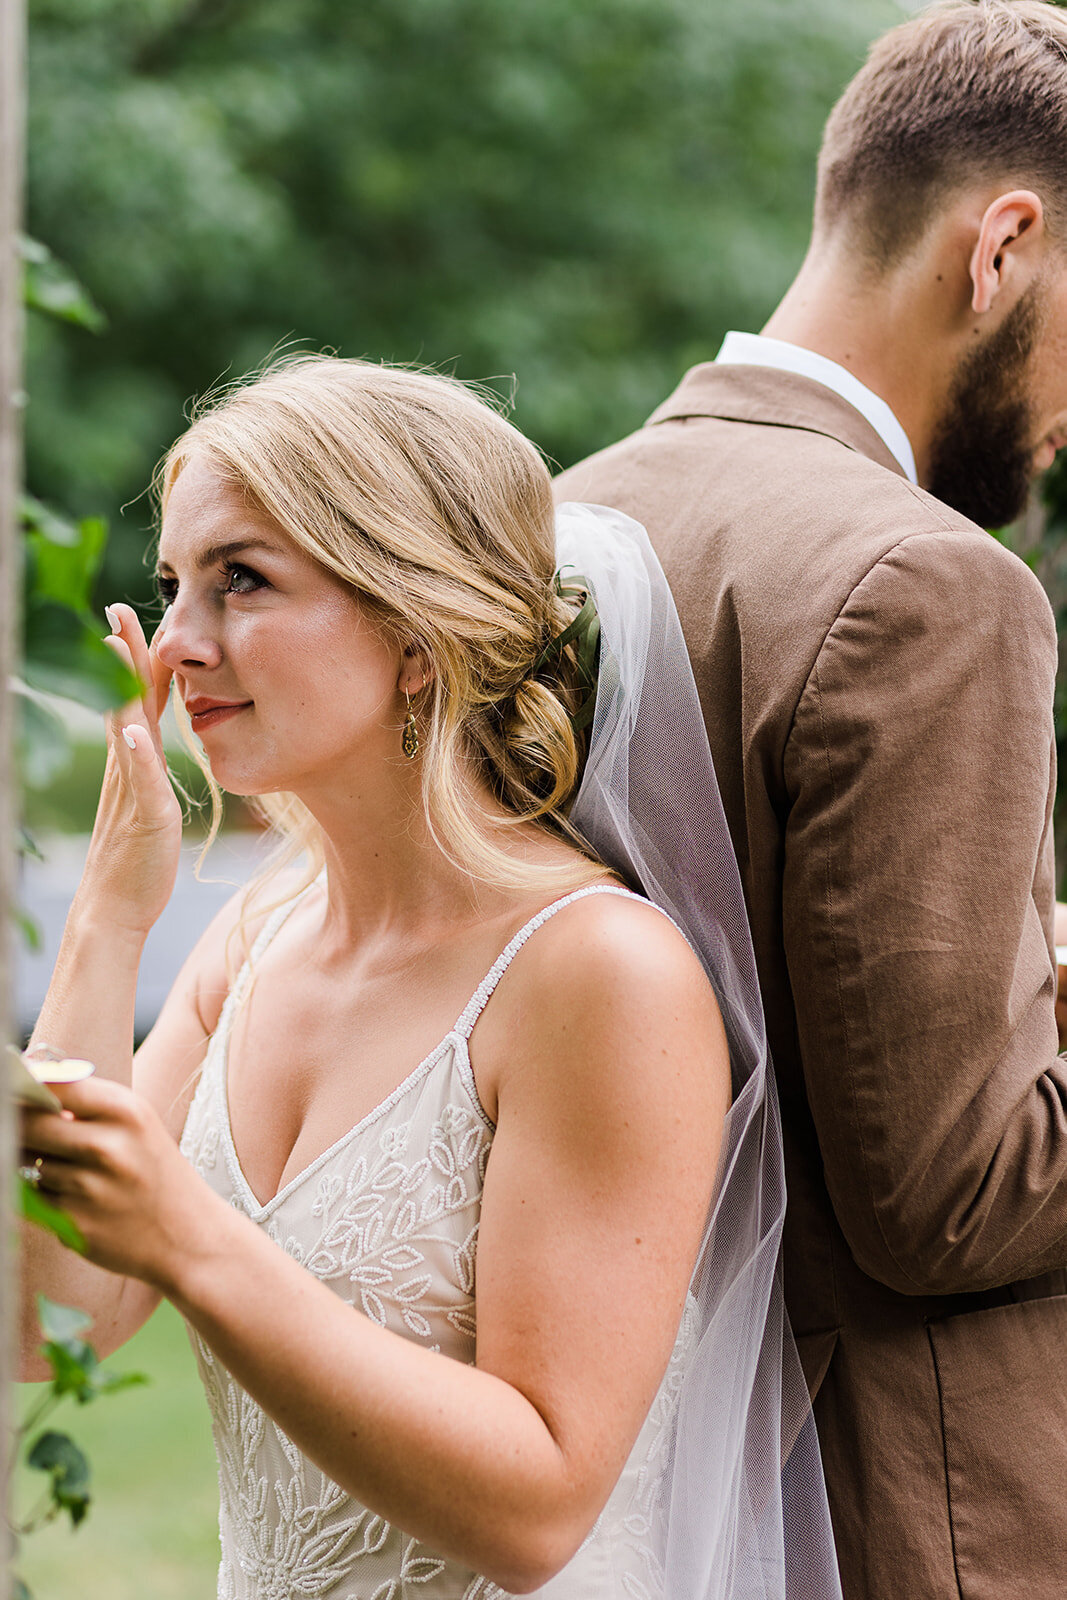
x=112 y=617
x=127 y=734
x=162 y=623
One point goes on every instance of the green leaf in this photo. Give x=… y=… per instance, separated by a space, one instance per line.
x=19 y=1590
x=58 y=1455
x=44 y=746
x=108 y=1382
x=29 y=929
x=35 y=517
x=73 y=1363
x=76 y=1369
x=51 y=288
x=62 y=558
x=61 y=1322
x=28 y=848
x=35 y=1209
x=66 y=655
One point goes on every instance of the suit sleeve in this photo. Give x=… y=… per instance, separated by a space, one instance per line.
x=917 y=914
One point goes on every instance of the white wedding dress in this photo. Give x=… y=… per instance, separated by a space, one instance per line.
x=388 y=1218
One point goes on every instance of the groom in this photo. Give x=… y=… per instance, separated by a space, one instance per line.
x=877 y=677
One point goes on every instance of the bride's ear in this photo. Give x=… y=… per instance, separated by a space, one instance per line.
x=416 y=668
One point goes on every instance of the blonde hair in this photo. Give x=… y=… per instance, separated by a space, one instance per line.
x=439 y=514
x=967 y=89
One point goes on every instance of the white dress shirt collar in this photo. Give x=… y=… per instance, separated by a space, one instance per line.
x=753 y=350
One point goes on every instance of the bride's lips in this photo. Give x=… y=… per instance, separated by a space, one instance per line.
x=205 y=713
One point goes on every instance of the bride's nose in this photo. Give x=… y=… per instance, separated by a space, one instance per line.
x=182 y=640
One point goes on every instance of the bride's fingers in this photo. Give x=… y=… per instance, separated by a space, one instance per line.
x=136 y=748
x=147 y=710
x=141 y=764
x=161 y=673
x=128 y=640
x=133 y=710
x=116 y=643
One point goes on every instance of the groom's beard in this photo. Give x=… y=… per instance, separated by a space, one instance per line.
x=981 y=460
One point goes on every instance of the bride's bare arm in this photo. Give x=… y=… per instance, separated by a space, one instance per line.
x=89 y=1009
x=611 y=1095
x=82 y=1019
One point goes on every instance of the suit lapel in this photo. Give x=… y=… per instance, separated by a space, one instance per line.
x=767 y=396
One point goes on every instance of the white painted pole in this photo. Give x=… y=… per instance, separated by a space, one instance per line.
x=12 y=64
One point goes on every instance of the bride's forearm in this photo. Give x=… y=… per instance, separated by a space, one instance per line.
x=455 y=1456
x=88 y=1012
x=89 y=1008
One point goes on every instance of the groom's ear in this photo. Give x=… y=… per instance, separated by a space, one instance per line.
x=1008 y=250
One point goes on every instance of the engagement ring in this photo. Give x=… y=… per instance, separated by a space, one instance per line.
x=33 y=1174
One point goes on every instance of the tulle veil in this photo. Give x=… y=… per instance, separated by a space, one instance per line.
x=741 y=1510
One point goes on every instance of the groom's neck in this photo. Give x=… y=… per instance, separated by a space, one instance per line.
x=895 y=330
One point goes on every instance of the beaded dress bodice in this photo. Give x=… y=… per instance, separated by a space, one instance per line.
x=388 y=1219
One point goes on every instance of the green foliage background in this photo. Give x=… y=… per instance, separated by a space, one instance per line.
x=573 y=198
x=579 y=194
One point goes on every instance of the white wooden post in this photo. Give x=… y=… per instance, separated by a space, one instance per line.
x=12 y=61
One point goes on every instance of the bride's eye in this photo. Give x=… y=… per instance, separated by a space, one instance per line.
x=166 y=588
x=241 y=579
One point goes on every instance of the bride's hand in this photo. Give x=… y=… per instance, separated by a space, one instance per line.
x=108 y=1160
x=133 y=855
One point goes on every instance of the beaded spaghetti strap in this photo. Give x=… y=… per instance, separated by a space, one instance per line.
x=480 y=998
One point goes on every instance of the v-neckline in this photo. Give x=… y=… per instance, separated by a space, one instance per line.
x=456 y=1038
x=260 y=1210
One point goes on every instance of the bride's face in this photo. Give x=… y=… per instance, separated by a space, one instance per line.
x=289 y=683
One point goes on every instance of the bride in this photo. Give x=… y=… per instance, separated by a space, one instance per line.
x=424 y=1144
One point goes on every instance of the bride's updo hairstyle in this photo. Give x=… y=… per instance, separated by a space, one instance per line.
x=439 y=513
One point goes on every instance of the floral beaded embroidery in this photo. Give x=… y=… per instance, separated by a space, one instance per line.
x=388 y=1220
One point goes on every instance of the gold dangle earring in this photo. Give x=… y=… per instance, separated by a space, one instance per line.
x=410 y=742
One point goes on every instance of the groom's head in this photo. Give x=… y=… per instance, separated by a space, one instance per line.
x=943 y=171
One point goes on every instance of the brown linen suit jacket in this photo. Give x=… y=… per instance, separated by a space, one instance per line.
x=877 y=677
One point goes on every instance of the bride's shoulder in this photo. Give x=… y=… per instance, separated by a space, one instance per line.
x=608 y=995
x=608 y=915
x=616 y=951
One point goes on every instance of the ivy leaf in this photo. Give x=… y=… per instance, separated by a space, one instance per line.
x=107 y=1382
x=35 y=1209
x=73 y=1363
x=44 y=521
x=27 y=847
x=28 y=928
x=58 y=1455
x=61 y=1322
x=66 y=655
x=44 y=746
x=76 y=1369
x=62 y=558
x=51 y=288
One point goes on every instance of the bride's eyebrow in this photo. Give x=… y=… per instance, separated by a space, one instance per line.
x=212 y=554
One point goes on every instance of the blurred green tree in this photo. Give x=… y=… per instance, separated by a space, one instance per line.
x=584 y=196
x=63 y=651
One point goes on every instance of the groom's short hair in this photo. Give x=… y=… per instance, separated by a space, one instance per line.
x=968 y=88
